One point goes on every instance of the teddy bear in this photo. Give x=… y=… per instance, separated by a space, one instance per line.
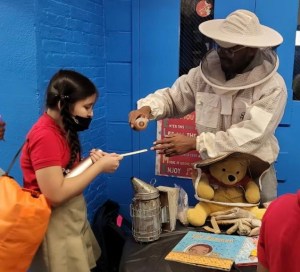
x=226 y=185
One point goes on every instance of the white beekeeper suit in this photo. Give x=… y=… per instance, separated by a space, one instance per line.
x=236 y=115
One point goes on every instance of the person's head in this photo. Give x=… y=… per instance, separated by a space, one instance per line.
x=199 y=249
x=236 y=58
x=238 y=38
x=73 y=95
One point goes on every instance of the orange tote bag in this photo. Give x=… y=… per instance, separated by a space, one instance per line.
x=24 y=217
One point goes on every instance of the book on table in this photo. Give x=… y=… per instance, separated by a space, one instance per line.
x=248 y=254
x=218 y=251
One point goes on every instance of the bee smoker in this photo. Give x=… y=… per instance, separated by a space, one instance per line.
x=145 y=212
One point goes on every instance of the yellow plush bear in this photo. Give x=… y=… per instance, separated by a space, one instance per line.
x=225 y=183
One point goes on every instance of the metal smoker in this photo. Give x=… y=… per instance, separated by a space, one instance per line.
x=145 y=212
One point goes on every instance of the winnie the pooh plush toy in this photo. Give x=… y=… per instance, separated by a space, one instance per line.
x=226 y=183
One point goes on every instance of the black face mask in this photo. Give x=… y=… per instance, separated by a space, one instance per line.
x=81 y=123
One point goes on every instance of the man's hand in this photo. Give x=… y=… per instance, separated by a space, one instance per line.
x=175 y=144
x=135 y=114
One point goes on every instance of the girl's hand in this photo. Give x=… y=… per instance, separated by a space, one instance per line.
x=96 y=154
x=109 y=162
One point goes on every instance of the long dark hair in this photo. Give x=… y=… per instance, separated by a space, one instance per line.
x=69 y=87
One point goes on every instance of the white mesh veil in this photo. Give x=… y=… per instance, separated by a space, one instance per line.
x=265 y=65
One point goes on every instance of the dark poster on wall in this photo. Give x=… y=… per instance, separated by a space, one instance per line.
x=193 y=47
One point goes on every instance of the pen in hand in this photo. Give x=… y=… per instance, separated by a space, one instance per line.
x=134 y=152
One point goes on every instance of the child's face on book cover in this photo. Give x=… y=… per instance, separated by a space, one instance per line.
x=200 y=249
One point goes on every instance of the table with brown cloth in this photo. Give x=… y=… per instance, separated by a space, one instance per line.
x=150 y=257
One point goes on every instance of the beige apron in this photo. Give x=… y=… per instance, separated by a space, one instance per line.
x=69 y=244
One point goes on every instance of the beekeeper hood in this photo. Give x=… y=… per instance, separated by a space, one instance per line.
x=241 y=27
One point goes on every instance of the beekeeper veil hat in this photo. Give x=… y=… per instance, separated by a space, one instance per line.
x=240 y=27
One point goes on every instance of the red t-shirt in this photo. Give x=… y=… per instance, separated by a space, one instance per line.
x=279 y=239
x=46 y=146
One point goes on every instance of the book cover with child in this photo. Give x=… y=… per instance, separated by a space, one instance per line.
x=210 y=250
x=248 y=253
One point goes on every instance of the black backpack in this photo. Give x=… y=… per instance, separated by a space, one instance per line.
x=110 y=236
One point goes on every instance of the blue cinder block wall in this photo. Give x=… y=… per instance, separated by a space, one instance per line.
x=37 y=39
x=71 y=35
x=118 y=27
x=101 y=39
x=18 y=81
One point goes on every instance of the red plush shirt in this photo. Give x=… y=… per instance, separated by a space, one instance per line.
x=46 y=146
x=279 y=239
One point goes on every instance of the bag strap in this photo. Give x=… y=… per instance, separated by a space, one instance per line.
x=13 y=160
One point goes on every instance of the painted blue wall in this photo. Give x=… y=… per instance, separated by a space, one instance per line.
x=156 y=65
x=71 y=35
x=151 y=60
x=112 y=42
x=18 y=81
x=38 y=38
x=118 y=44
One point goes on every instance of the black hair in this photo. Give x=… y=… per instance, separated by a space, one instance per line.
x=68 y=87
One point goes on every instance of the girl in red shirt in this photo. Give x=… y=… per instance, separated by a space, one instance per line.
x=52 y=148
